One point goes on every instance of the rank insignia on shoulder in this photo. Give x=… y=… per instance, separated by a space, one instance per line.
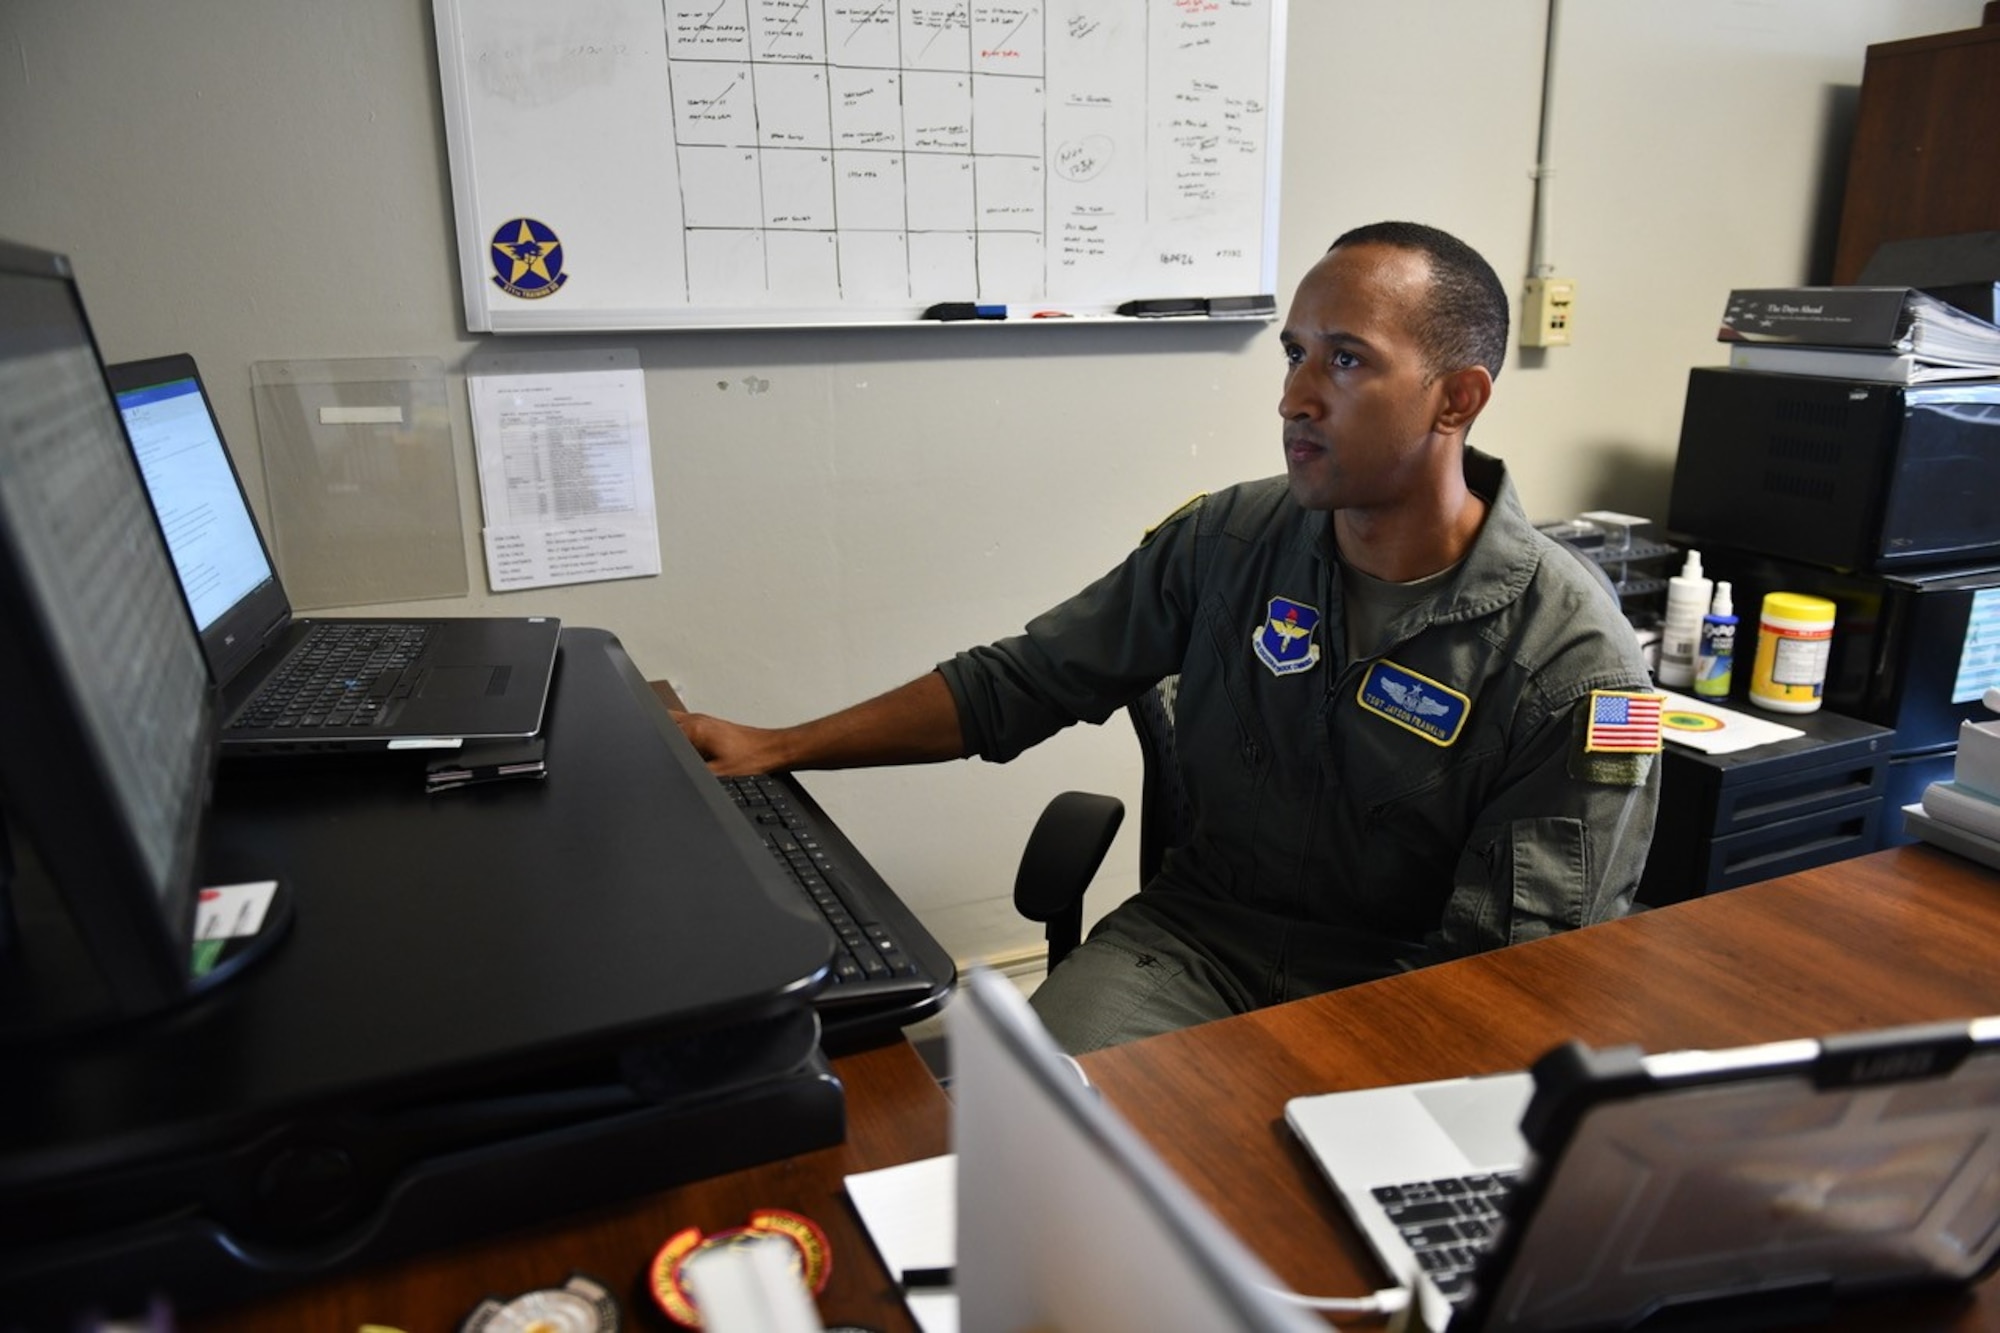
x=1414 y=702
x=1190 y=507
x=580 y=1305
x=812 y=1258
x=1284 y=641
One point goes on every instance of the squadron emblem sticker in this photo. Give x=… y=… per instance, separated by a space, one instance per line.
x=1284 y=642
x=812 y=1258
x=527 y=259
x=1415 y=703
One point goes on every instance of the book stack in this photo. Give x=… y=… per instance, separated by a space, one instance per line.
x=1962 y=814
x=1891 y=335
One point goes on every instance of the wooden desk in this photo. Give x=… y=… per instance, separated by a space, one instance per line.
x=1904 y=935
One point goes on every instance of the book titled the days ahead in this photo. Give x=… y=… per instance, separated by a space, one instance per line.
x=1891 y=319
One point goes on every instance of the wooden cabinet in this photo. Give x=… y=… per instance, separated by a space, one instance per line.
x=1926 y=153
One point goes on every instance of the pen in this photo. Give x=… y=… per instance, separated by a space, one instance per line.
x=953 y=310
x=1177 y=305
x=927 y=1279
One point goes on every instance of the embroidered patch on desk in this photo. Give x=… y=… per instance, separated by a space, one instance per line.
x=582 y=1304
x=1624 y=721
x=812 y=1261
x=1284 y=642
x=527 y=259
x=1414 y=702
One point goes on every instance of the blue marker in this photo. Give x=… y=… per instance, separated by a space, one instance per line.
x=953 y=310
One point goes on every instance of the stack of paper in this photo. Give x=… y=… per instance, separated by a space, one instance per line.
x=1963 y=814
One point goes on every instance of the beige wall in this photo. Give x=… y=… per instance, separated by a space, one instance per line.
x=266 y=179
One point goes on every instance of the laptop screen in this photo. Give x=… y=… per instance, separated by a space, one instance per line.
x=216 y=550
x=104 y=697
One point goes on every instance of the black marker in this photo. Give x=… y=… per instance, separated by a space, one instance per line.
x=1177 y=305
x=928 y=1279
x=954 y=310
x=1241 y=307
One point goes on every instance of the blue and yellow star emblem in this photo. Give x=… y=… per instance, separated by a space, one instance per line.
x=527 y=259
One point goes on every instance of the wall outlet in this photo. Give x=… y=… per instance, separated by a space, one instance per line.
x=1545 y=312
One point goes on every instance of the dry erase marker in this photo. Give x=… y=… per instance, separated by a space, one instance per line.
x=1157 y=309
x=955 y=310
x=1241 y=307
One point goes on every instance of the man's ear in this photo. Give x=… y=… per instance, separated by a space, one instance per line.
x=1466 y=392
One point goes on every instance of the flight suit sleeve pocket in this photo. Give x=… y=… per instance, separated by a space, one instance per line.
x=1549 y=876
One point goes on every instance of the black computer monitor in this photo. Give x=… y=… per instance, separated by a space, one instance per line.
x=106 y=724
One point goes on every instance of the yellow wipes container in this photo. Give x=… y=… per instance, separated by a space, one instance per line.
x=1794 y=639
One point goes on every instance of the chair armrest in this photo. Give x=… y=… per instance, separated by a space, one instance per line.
x=1064 y=852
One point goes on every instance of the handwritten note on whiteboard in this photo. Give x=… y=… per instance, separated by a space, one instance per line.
x=651 y=163
x=565 y=468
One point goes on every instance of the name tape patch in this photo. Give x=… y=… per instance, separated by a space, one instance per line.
x=1414 y=702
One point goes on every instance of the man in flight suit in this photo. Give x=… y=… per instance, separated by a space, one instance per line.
x=1410 y=726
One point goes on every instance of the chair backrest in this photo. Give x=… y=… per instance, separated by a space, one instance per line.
x=1165 y=820
x=1075 y=830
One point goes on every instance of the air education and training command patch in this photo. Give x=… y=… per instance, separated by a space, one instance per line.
x=1414 y=702
x=812 y=1264
x=527 y=259
x=1284 y=642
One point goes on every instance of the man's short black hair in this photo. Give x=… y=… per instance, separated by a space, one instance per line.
x=1464 y=321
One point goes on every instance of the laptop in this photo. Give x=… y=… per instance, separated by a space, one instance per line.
x=1065 y=1217
x=1756 y=1185
x=289 y=685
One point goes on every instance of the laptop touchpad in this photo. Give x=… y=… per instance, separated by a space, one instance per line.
x=1482 y=1116
x=462 y=682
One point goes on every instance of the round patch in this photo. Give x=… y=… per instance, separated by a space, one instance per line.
x=580 y=1305
x=1676 y=720
x=527 y=259
x=812 y=1258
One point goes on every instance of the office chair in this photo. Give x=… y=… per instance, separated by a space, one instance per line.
x=1069 y=841
x=1068 y=844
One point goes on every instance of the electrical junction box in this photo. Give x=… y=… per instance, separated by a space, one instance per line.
x=1545 y=312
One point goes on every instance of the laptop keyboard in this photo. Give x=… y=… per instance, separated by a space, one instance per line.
x=1448 y=1223
x=340 y=675
x=870 y=962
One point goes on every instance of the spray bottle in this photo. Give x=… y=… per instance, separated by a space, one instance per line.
x=1717 y=655
x=1680 y=636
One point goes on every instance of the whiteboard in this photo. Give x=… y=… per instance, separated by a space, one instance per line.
x=640 y=164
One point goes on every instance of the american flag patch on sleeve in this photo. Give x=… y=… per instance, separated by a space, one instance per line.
x=1620 y=720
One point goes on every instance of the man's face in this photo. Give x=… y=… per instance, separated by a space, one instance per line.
x=1356 y=404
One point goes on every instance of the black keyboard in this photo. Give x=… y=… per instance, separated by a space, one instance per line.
x=339 y=675
x=1448 y=1223
x=874 y=963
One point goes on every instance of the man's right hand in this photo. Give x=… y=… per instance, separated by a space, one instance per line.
x=732 y=749
x=914 y=724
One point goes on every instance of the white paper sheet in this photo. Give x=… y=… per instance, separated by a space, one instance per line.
x=1703 y=724
x=911 y=1213
x=565 y=467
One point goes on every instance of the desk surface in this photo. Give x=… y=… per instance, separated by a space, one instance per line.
x=1904 y=935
